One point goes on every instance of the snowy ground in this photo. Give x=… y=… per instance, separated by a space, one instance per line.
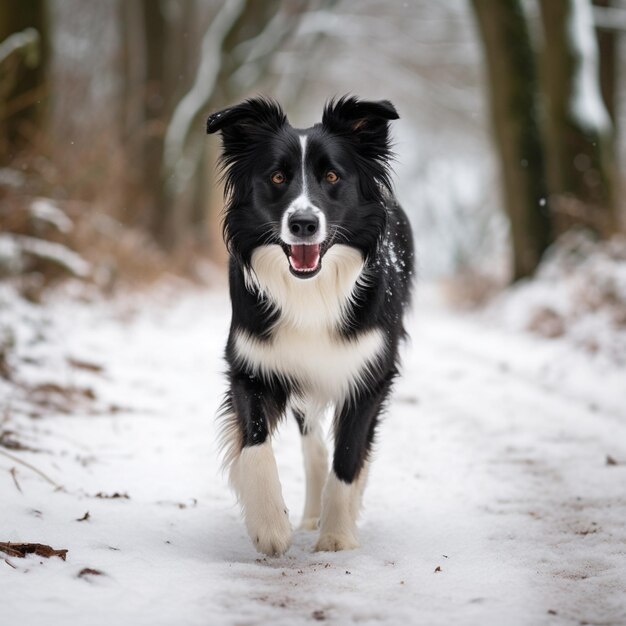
x=490 y=500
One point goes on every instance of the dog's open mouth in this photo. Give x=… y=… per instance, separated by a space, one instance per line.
x=305 y=260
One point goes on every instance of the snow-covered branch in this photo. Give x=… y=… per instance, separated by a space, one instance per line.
x=26 y=42
x=198 y=96
x=586 y=104
x=14 y=247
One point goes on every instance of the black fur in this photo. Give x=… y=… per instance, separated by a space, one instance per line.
x=353 y=140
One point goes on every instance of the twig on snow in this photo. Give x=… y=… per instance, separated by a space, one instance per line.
x=32 y=468
x=13 y=473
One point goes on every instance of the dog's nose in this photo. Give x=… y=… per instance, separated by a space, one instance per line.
x=303 y=223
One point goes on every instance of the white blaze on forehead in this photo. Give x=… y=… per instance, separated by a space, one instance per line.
x=305 y=191
x=302 y=202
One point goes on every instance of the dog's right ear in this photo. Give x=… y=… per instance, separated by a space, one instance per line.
x=251 y=116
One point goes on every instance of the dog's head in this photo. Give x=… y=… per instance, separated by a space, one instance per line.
x=304 y=190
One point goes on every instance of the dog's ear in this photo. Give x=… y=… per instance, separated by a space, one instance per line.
x=249 y=117
x=244 y=128
x=366 y=120
x=365 y=125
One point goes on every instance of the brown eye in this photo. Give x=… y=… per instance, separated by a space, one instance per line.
x=278 y=178
x=331 y=177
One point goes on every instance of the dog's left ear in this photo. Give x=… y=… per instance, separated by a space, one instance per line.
x=367 y=120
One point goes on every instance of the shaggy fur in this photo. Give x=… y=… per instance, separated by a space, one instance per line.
x=321 y=263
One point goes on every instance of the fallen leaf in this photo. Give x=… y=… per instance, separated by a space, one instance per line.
x=62 y=399
x=318 y=615
x=20 y=550
x=89 y=571
x=55 y=388
x=179 y=505
x=84 y=518
x=437 y=569
x=112 y=496
x=5 y=368
x=610 y=460
x=84 y=365
x=8 y=441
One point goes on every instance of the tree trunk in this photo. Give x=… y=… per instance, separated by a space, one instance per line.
x=86 y=112
x=513 y=97
x=581 y=166
x=241 y=34
x=22 y=99
x=607 y=47
x=183 y=170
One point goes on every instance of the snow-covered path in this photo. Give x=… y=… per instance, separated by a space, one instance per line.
x=490 y=500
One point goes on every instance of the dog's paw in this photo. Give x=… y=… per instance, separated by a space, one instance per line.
x=334 y=542
x=309 y=523
x=272 y=536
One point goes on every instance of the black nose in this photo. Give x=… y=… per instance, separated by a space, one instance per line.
x=303 y=223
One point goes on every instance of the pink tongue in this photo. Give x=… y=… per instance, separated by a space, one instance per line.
x=304 y=257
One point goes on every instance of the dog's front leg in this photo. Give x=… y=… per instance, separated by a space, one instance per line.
x=315 y=465
x=355 y=425
x=253 y=472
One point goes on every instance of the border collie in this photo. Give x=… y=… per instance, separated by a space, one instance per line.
x=321 y=264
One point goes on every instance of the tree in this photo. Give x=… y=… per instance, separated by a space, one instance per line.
x=220 y=60
x=576 y=152
x=236 y=52
x=23 y=33
x=513 y=97
x=608 y=60
x=581 y=168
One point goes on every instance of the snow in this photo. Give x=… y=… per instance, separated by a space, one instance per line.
x=578 y=294
x=13 y=247
x=26 y=41
x=47 y=211
x=586 y=105
x=489 y=466
x=10 y=177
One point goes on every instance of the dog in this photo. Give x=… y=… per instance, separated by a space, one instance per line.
x=320 y=273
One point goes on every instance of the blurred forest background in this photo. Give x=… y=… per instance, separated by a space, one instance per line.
x=499 y=494
x=511 y=133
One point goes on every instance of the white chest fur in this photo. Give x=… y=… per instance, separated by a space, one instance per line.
x=304 y=345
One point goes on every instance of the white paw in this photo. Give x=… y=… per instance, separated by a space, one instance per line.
x=334 y=542
x=271 y=536
x=255 y=478
x=310 y=523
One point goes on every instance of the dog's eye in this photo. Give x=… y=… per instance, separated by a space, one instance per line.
x=332 y=177
x=278 y=178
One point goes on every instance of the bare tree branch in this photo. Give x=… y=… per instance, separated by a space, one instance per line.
x=200 y=93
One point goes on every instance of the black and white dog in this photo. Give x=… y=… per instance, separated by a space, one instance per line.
x=321 y=262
